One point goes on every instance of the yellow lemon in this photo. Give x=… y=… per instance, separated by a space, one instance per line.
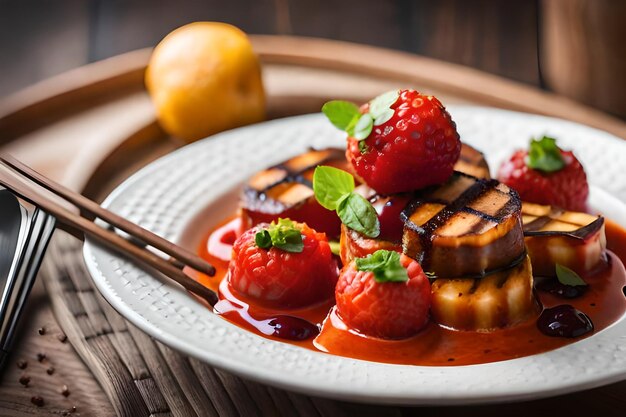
x=204 y=78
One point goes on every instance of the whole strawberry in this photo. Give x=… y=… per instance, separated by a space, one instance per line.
x=283 y=264
x=400 y=141
x=546 y=174
x=384 y=295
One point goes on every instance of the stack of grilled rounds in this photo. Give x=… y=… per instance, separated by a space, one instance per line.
x=355 y=245
x=468 y=233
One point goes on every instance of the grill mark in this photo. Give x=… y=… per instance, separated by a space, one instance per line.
x=514 y=204
x=426 y=234
x=541 y=221
x=296 y=176
x=537 y=224
x=478 y=226
x=483 y=216
x=579 y=234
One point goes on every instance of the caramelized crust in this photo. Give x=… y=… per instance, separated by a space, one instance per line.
x=465 y=227
x=286 y=191
x=573 y=239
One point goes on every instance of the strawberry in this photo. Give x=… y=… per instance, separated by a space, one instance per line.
x=546 y=174
x=384 y=295
x=400 y=141
x=283 y=264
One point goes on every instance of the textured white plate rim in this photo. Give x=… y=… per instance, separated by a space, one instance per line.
x=398 y=395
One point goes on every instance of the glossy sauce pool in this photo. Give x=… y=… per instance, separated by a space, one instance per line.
x=604 y=302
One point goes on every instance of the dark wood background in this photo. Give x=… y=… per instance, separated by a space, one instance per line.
x=572 y=46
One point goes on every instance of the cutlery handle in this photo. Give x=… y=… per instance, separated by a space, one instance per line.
x=39 y=234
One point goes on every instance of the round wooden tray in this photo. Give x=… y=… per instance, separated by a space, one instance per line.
x=92 y=127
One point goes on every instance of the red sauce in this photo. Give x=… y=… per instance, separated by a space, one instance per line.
x=604 y=302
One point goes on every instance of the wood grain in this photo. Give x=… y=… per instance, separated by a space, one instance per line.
x=583 y=53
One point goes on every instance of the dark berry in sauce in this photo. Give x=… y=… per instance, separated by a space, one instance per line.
x=558 y=289
x=293 y=328
x=22 y=364
x=564 y=321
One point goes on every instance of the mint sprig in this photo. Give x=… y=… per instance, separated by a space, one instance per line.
x=358 y=214
x=347 y=117
x=568 y=277
x=342 y=114
x=544 y=155
x=385 y=265
x=330 y=185
x=334 y=190
x=283 y=234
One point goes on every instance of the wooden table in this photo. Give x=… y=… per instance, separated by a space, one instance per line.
x=74 y=123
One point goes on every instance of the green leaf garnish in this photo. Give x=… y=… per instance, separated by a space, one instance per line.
x=568 y=277
x=263 y=239
x=347 y=117
x=381 y=105
x=383 y=117
x=334 y=190
x=342 y=114
x=282 y=234
x=330 y=184
x=544 y=155
x=385 y=265
x=358 y=214
x=363 y=127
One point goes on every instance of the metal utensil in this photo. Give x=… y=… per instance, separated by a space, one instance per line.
x=13 y=227
x=23 y=241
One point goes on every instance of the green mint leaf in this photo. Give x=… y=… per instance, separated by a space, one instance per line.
x=358 y=214
x=544 y=155
x=283 y=234
x=380 y=106
x=568 y=277
x=333 y=189
x=383 y=117
x=330 y=185
x=263 y=239
x=363 y=127
x=286 y=236
x=335 y=247
x=342 y=114
x=385 y=265
x=289 y=241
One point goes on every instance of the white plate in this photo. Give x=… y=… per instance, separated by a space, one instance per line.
x=198 y=186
